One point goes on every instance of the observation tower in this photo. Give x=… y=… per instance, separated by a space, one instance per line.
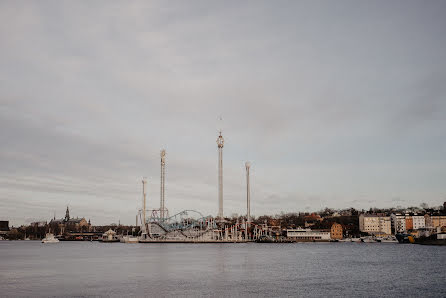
x=220 y=142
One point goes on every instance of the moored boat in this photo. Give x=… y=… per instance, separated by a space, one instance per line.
x=129 y=239
x=49 y=238
x=368 y=240
x=405 y=238
x=389 y=239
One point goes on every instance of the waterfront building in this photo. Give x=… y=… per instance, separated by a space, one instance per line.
x=398 y=223
x=409 y=222
x=4 y=227
x=336 y=231
x=67 y=224
x=428 y=221
x=109 y=236
x=307 y=235
x=375 y=224
x=438 y=221
x=418 y=222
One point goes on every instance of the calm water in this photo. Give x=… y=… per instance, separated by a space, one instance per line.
x=29 y=268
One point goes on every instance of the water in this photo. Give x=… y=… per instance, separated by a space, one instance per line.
x=29 y=268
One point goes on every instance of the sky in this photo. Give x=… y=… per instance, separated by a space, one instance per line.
x=335 y=104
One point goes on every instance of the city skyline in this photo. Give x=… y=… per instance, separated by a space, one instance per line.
x=334 y=109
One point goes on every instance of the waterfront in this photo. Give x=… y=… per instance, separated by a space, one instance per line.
x=29 y=268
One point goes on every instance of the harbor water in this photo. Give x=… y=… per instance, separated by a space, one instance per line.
x=85 y=269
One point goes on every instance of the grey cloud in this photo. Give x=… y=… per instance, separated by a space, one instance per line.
x=329 y=101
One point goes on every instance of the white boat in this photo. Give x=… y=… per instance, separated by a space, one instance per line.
x=368 y=240
x=49 y=238
x=345 y=240
x=128 y=239
x=389 y=239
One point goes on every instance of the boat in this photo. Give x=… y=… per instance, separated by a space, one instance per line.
x=435 y=239
x=49 y=238
x=405 y=238
x=350 y=240
x=129 y=239
x=345 y=240
x=109 y=236
x=368 y=240
x=389 y=239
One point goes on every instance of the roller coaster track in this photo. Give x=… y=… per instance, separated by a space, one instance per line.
x=181 y=223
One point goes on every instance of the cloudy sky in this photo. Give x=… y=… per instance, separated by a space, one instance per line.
x=335 y=103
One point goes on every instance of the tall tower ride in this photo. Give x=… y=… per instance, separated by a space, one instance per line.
x=248 y=195
x=162 y=181
x=144 y=193
x=220 y=142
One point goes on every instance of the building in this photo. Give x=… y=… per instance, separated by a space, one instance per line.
x=312 y=219
x=398 y=223
x=419 y=222
x=428 y=221
x=438 y=221
x=307 y=235
x=374 y=224
x=336 y=231
x=4 y=227
x=409 y=222
x=68 y=224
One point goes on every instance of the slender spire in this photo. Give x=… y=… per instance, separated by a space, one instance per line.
x=220 y=143
x=248 y=195
x=67 y=214
x=162 y=184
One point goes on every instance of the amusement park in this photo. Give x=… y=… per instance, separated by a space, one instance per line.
x=191 y=226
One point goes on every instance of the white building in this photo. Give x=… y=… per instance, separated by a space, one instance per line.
x=419 y=222
x=398 y=223
x=374 y=224
x=308 y=235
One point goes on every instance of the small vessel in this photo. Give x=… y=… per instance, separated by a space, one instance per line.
x=109 y=236
x=368 y=240
x=389 y=239
x=129 y=239
x=405 y=238
x=434 y=239
x=346 y=240
x=49 y=238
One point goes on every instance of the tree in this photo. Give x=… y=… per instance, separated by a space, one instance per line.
x=424 y=206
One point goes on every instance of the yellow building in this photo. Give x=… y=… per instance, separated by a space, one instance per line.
x=438 y=221
x=336 y=231
x=374 y=224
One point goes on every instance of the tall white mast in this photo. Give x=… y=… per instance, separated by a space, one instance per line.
x=248 y=195
x=162 y=182
x=144 y=182
x=220 y=142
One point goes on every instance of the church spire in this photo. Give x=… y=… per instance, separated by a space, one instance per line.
x=67 y=215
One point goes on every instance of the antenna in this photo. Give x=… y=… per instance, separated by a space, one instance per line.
x=220 y=123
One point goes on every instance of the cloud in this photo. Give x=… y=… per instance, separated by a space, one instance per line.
x=334 y=105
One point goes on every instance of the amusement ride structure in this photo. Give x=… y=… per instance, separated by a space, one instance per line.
x=191 y=225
